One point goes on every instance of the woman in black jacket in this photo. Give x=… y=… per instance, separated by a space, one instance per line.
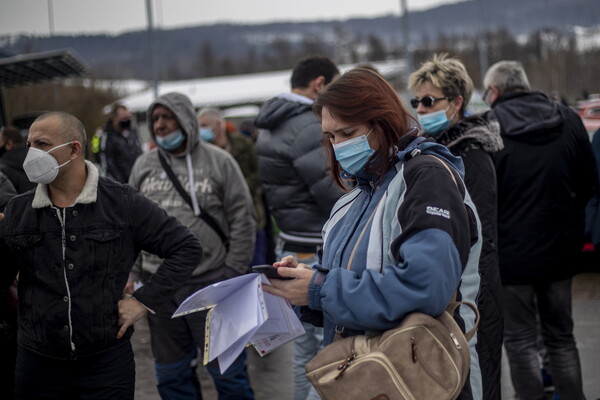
x=442 y=90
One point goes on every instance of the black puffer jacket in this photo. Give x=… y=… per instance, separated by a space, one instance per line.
x=293 y=167
x=546 y=175
x=119 y=152
x=475 y=139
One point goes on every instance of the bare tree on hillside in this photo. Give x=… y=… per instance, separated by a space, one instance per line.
x=377 y=50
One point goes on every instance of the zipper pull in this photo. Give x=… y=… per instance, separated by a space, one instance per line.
x=455 y=340
x=413 y=345
x=345 y=364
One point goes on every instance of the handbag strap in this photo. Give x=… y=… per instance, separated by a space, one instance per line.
x=452 y=307
x=445 y=166
x=206 y=217
x=351 y=259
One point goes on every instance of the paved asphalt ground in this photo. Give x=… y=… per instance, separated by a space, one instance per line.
x=271 y=376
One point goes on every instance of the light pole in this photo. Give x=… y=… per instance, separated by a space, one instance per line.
x=152 y=52
x=482 y=45
x=406 y=35
x=50 y=18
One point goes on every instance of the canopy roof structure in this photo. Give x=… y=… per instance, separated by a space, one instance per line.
x=36 y=68
x=39 y=67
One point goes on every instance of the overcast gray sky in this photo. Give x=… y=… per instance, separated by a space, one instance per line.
x=116 y=16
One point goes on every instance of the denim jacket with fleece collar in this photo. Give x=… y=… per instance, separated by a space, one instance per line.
x=73 y=263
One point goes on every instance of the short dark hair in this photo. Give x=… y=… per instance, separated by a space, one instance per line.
x=12 y=133
x=114 y=109
x=72 y=128
x=311 y=68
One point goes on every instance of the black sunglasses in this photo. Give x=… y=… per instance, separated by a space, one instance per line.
x=427 y=101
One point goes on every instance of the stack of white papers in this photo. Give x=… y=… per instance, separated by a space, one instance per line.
x=241 y=314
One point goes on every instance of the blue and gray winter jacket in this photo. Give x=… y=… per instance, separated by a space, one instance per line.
x=404 y=243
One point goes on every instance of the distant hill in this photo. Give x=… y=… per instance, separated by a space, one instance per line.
x=216 y=49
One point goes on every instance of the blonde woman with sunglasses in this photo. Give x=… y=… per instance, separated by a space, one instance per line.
x=442 y=90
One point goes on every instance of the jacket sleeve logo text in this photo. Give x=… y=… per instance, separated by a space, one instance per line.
x=439 y=212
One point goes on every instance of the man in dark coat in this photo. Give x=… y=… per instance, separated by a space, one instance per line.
x=119 y=145
x=546 y=175
x=73 y=241
x=12 y=154
x=298 y=188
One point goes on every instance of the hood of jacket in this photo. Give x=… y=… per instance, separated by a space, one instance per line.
x=528 y=116
x=422 y=145
x=281 y=108
x=183 y=109
x=473 y=132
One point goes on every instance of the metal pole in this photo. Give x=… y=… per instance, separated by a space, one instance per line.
x=50 y=17
x=151 y=43
x=406 y=36
x=51 y=28
x=159 y=14
x=482 y=46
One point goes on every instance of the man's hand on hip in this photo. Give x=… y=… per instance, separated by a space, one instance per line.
x=130 y=311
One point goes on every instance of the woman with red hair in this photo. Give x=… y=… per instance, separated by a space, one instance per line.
x=405 y=239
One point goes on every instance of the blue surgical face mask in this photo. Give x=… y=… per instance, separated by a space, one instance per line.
x=353 y=154
x=434 y=123
x=171 y=141
x=207 y=134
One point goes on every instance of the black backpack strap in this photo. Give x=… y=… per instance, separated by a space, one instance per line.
x=206 y=217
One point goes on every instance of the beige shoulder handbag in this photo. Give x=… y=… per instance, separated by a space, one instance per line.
x=423 y=358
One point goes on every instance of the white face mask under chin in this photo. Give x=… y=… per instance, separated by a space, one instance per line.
x=40 y=166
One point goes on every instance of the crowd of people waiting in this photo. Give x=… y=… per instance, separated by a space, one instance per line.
x=375 y=211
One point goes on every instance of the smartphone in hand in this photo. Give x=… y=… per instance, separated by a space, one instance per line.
x=270 y=271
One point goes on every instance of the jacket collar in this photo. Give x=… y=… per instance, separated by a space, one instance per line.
x=298 y=98
x=471 y=132
x=88 y=194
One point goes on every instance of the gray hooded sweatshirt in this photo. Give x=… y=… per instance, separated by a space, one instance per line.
x=219 y=189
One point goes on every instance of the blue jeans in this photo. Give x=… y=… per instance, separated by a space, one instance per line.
x=260 y=249
x=179 y=381
x=520 y=339
x=307 y=345
x=174 y=344
x=305 y=348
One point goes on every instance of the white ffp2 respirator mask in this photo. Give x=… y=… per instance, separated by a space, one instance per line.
x=40 y=166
